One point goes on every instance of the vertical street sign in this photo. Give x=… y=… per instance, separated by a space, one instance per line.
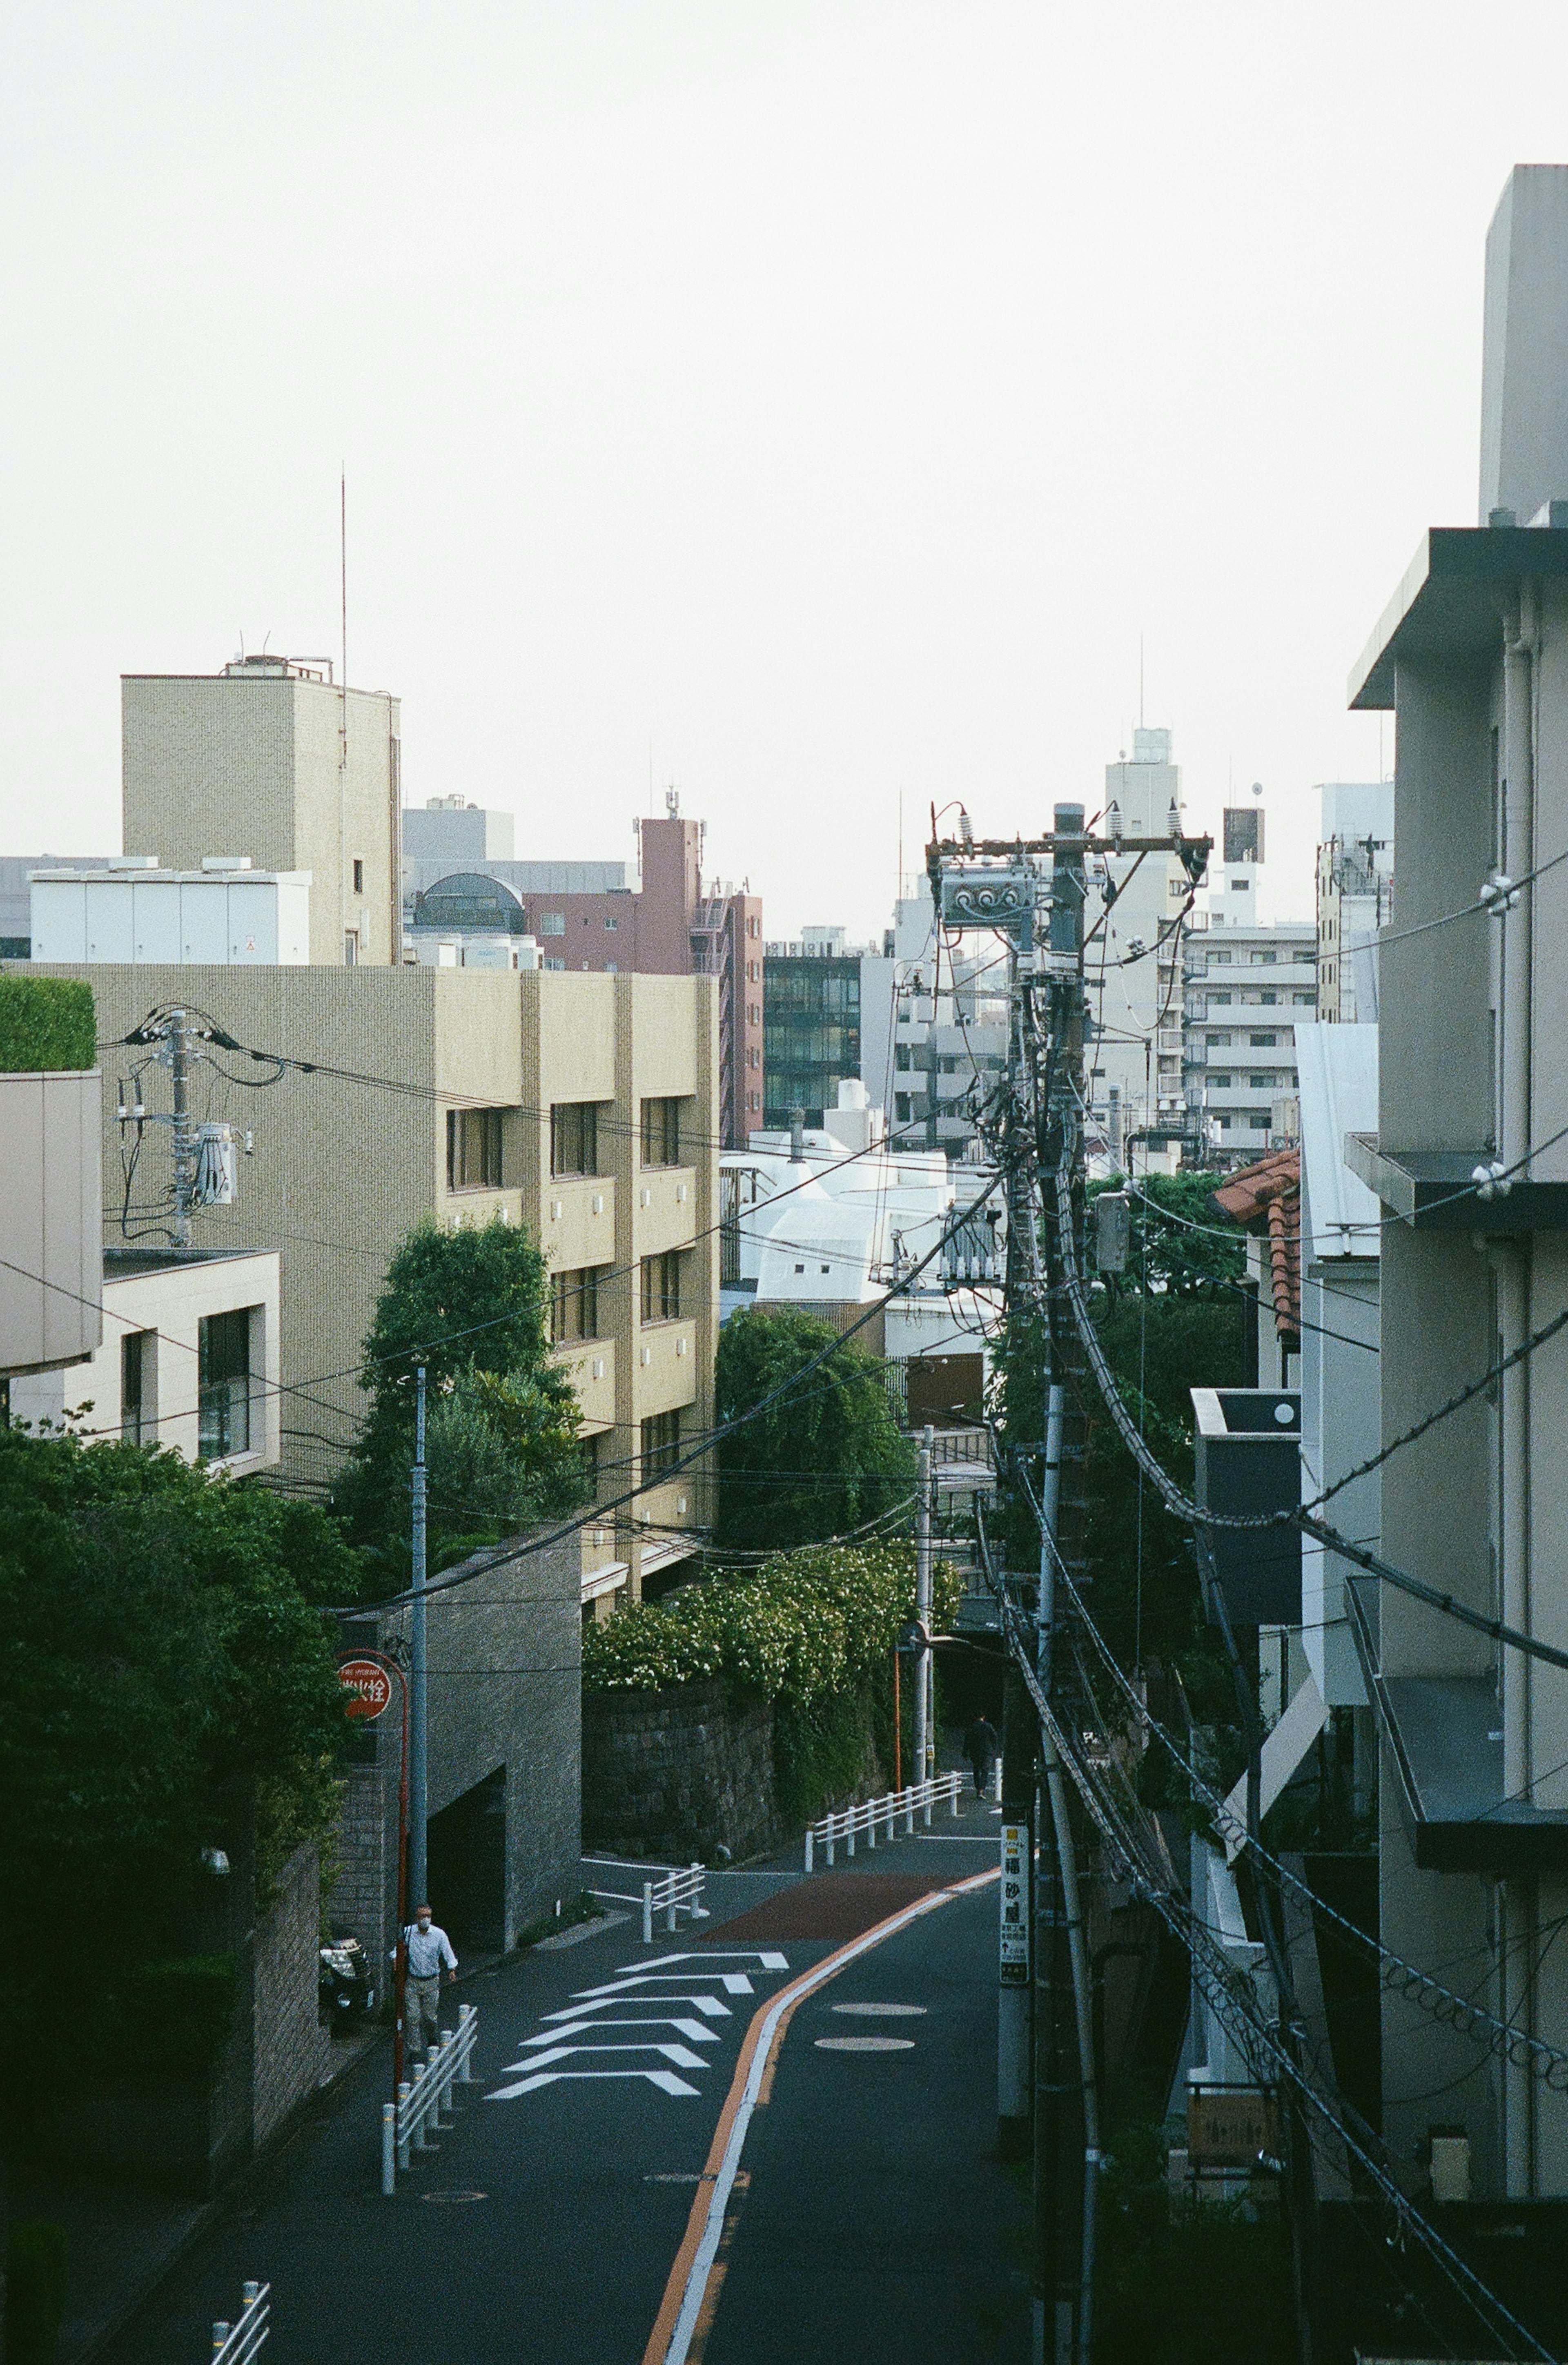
x=1014 y=1926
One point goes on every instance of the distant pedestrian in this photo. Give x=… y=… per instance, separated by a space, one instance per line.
x=429 y=1954
x=983 y=1745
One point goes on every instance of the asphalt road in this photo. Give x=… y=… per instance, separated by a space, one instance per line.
x=868 y=2217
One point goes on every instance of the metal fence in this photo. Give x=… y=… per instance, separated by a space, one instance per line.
x=427 y=2101
x=233 y=2343
x=676 y=1893
x=883 y=1814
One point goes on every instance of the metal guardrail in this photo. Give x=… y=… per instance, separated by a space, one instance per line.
x=232 y=2344
x=427 y=2101
x=678 y=1892
x=872 y=1814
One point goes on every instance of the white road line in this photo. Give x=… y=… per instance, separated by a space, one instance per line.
x=693 y=2030
x=681 y=2055
x=732 y=1983
x=763 y=1958
x=710 y=2006
x=665 y=2080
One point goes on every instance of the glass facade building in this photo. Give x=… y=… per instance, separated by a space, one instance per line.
x=811 y=1006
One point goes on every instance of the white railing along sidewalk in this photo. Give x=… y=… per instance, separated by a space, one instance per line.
x=677 y=1892
x=232 y=2344
x=882 y=1815
x=426 y=2101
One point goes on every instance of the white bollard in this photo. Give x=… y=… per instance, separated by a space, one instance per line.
x=388 y=2149
x=404 y=2090
x=647 y=1913
x=810 y=1836
x=953 y=1782
x=466 y=2021
x=996 y=1784
x=220 y=2335
x=698 y=1910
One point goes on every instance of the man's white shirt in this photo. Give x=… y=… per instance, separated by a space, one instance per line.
x=429 y=1952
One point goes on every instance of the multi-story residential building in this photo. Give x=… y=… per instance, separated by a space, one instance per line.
x=1355 y=896
x=1469 y=1164
x=468 y=904
x=1248 y=983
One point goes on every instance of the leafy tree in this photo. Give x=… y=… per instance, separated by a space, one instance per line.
x=502 y=1442
x=824 y=1460
x=1179 y=1247
x=167 y=1675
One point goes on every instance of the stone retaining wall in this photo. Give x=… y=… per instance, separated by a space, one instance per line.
x=675 y=1774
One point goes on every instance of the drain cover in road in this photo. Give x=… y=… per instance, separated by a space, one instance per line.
x=865 y=2043
x=830 y=1905
x=884 y=2011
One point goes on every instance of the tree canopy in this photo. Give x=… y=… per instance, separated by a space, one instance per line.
x=167 y=1674
x=824 y=1460
x=502 y=1447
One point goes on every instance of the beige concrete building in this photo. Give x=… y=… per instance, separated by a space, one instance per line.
x=580 y=1106
x=274 y=760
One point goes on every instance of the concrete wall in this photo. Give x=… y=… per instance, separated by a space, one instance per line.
x=51 y=1195
x=505 y=1694
x=290 y=2049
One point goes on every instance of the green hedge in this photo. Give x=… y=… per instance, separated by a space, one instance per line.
x=46 y=1024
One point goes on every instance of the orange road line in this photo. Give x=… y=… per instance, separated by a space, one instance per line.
x=684 y=2310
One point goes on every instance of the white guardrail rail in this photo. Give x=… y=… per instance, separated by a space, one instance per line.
x=882 y=1815
x=678 y=1892
x=427 y=2101
x=232 y=2344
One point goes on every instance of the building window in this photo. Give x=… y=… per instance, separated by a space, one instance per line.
x=1265 y=961
x=753 y=1057
x=553 y=961
x=612 y=923
x=351 y=947
x=661 y=1444
x=753 y=1101
x=1262 y=1042
x=588 y=1447
x=358 y=876
x=223 y=1384
x=1270 y=996
x=1219 y=1081
x=574 y=1137
x=553 y=923
x=137 y=1422
x=1219 y=1002
x=661 y=1132
x=1262 y=1083
x=661 y=1287
x=1218 y=1036
x=1302 y=1001
x=574 y=1304
x=1218 y=959
x=473 y=1150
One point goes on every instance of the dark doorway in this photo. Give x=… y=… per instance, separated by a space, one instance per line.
x=467 y=1857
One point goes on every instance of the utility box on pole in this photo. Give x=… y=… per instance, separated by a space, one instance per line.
x=1248 y=1462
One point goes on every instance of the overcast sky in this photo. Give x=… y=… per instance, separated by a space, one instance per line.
x=805 y=404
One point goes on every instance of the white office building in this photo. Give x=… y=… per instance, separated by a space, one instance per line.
x=1249 y=982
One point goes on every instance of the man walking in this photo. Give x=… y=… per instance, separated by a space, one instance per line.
x=430 y=1952
x=981 y=1744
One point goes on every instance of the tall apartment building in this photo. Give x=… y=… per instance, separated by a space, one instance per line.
x=1355 y=896
x=463 y=892
x=274 y=760
x=1135 y=1058
x=1471 y=658
x=1247 y=983
x=814 y=1018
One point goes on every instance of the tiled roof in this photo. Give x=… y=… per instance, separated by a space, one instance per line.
x=1266 y=1199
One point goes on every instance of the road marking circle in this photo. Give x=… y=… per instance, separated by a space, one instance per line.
x=882 y=2010
x=865 y=2043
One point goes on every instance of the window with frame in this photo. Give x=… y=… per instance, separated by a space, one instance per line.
x=590 y=1449
x=661 y=1132
x=661 y=1444
x=574 y=1137
x=473 y=1150
x=661 y=1287
x=553 y=924
x=1262 y=1042
x=1262 y=1083
x=223 y=1383
x=137 y=1421
x=574 y=1304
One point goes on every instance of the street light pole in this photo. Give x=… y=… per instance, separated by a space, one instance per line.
x=418 y=1737
x=923 y=1685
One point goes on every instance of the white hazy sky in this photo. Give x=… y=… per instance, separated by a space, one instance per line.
x=825 y=397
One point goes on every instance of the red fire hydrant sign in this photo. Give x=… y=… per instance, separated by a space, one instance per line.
x=369 y=1688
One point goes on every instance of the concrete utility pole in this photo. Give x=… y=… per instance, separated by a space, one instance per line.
x=925 y=1741
x=419 y=1687
x=183 y=1141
